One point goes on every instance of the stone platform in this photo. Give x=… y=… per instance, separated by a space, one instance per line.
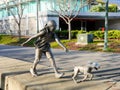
x=14 y=75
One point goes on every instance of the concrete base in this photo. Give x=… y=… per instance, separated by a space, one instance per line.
x=15 y=76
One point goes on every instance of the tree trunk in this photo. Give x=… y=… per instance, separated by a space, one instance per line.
x=69 y=29
x=19 y=32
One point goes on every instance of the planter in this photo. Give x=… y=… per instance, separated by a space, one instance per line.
x=84 y=39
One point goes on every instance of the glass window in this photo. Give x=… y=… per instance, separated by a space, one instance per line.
x=32 y=7
x=25 y=8
x=74 y=4
x=1 y=14
x=46 y=5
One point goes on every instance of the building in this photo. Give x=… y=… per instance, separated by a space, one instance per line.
x=85 y=20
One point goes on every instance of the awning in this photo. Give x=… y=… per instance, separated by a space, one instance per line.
x=98 y=15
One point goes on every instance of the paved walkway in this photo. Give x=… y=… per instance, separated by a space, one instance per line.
x=16 y=61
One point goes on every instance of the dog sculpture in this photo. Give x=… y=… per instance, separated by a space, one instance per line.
x=86 y=70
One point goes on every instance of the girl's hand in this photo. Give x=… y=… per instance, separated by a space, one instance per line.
x=66 y=50
x=23 y=44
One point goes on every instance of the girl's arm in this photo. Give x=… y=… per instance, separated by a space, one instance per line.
x=34 y=36
x=58 y=41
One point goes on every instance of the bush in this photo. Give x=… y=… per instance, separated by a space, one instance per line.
x=74 y=33
x=101 y=8
x=97 y=8
x=112 y=34
x=98 y=34
x=64 y=33
x=113 y=8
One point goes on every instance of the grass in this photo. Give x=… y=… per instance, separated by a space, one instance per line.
x=65 y=42
x=7 y=39
x=113 y=45
x=97 y=45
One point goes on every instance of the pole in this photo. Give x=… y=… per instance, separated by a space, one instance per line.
x=37 y=15
x=27 y=21
x=106 y=26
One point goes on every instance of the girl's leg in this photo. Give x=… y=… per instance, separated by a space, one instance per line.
x=53 y=64
x=38 y=54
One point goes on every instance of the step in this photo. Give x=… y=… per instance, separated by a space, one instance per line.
x=14 y=75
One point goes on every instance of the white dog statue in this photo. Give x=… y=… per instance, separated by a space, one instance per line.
x=86 y=70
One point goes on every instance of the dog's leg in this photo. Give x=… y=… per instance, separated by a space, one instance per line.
x=91 y=76
x=85 y=77
x=76 y=70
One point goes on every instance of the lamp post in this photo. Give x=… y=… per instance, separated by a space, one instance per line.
x=37 y=16
x=106 y=26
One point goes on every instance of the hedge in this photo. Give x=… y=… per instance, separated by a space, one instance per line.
x=112 y=34
x=97 y=34
x=64 y=33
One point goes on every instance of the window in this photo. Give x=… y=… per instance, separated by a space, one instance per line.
x=46 y=4
x=32 y=7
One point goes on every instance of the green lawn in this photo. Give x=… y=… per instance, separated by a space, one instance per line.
x=97 y=45
x=8 y=40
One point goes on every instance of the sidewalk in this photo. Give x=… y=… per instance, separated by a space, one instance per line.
x=15 y=62
x=15 y=73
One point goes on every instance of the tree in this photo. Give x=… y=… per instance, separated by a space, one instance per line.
x=112 y=8
x=101 y=7
x=69 y=9
x=97 y=8
x=16 y=10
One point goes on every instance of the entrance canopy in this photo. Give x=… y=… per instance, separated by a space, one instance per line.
x=92 y=21
x=98 y=15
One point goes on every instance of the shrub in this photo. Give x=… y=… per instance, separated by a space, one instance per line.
x=111 y=34
x=97 y=8
x=64 y=33
x=98 y=34
x=101 y=8
x=74 y=33
x=81 y=31
x=114 y=34
x=117 y=34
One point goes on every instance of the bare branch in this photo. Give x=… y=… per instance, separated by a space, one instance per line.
x=77 y=12
x=74 y=9
x=69 y=9
x=16 y=10
x=62 y=16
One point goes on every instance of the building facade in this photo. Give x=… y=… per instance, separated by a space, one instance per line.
x=29 y=18
x=85 y=20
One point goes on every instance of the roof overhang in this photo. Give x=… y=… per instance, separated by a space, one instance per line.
x=98 y=15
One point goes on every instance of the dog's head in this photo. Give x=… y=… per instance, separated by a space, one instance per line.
x=95 y=65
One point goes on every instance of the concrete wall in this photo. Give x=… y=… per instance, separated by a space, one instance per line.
x=114 y=24
x=28 y=24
